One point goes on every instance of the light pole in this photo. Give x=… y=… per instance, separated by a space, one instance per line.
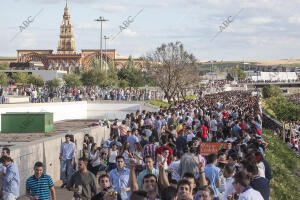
x=211 y=75
x=105 y=38
x=101 y=19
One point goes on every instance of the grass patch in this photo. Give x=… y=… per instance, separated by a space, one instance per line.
x=159 y=103
x=191 y=97
x=285 y=167
x=268 y=110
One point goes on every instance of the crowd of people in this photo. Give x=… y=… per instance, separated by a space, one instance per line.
x=157 y=155
x=293 y=136
x=45 y=94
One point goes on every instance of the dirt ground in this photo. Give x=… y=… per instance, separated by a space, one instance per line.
x=59 y=128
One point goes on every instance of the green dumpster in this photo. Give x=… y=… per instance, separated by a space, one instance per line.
x=28 y=122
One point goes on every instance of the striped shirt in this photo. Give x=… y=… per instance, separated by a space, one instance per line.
x=150 y=150
x=39 y=187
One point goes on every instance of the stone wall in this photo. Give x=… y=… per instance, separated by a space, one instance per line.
x=270 y=123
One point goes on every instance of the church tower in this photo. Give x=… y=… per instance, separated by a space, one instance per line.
x=66 y=44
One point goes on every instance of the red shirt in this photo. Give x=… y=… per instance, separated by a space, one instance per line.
x=243 y=126
x=160 y=149
x=258 y=131
x=225 y=115
x=204 y=131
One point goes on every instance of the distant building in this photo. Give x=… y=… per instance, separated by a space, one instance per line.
x=272 y=76
x=66 y=58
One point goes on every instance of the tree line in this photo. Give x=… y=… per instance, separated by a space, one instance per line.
x=170 y=67
x=285 y=111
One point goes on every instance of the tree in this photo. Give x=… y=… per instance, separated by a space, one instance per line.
x=241 y=74
x=112 y=75
x=35 y=80
x=236 y=72
x=95 y=64
x=72 y=80
x=271 y=91
x=3 y=79
x=123 y=84
x=229 y=77
x=285 y=111
x=173 y=68
x=112 y=72
x=92 y=77
x=131 y=74
x=20 y=77
x=54 y=83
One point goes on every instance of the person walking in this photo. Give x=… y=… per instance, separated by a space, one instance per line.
x=40 y=185
x=119 y=178
x=11 y=179
x=67 y=157
x=84 y=182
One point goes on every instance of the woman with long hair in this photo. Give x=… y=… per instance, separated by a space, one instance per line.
x=112 y=155
x=125 y=152
x=138 y=155
x=94 y=158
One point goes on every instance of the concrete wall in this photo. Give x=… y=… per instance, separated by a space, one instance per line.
x=47 y=151
x=75 y=110
x=61 y=111
x=110 y=111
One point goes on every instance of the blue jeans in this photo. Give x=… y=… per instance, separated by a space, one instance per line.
x=66 y=171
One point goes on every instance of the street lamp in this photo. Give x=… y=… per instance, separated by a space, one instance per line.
x=105 y=38
x=101 y=19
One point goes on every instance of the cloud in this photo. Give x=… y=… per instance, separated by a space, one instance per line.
x=294 y=20
x=162 y=4
x=261 y=20
x=92 y=26
x=110 y=8
x=129 y=33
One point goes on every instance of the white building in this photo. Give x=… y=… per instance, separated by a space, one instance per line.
x=273 y=76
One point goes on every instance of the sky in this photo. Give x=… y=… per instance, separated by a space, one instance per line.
x=262 y=30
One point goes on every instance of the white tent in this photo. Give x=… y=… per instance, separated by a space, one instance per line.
x=275 y=76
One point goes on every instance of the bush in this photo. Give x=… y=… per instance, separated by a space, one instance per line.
x=20 y=77
x=285 y=166
x=72 y=80
x=3 y=79
x=271 y=91
x=191 y=97
x=54 y=83
x=36 y=80
x=159 y=103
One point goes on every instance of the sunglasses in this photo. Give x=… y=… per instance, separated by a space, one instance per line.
x=114 y=193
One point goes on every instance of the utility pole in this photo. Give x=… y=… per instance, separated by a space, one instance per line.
x=105 y=38
x=101 y=19
x=211 y=67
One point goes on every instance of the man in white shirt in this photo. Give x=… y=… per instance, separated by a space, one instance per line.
x=228 y=174
x=242 y=186
x=214 y=126
x=173 y=168
x=67 y=157
x=190 y=134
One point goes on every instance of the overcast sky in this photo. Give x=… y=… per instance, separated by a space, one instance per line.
x=264 y=29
